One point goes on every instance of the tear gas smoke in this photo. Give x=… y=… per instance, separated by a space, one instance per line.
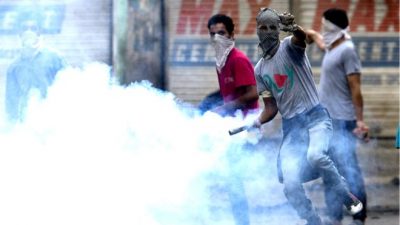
x=94 y=152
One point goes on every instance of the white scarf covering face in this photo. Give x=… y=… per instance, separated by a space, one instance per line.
x=223 y=47
x=31 y=44
x=331 y=32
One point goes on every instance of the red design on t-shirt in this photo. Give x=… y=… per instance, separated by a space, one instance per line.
x=280 y=79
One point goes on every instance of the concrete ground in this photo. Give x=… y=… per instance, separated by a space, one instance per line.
x=379 y=160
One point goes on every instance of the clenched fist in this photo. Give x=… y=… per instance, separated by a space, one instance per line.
x=287 y=22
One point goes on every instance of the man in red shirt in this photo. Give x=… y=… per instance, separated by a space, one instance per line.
x=235 y=71
x=239 y=92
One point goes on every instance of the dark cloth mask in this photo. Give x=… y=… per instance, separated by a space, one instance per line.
x=269 y=38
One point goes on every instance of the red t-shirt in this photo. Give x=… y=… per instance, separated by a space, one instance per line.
x=238 y=71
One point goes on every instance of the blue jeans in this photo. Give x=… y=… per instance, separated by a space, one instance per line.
x=343 y=153
x=303 y=156
x=236 y=190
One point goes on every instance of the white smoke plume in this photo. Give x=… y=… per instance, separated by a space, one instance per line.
x=94 y=152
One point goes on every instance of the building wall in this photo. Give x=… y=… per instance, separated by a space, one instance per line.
x=82 y=32
x=374 y=28
x=79 y=30
x=139 y=43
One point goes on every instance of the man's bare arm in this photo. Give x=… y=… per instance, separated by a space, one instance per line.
x=314 y=36
x=356 y=95
x=247 y=95
x=299 y=37
x=269 y=112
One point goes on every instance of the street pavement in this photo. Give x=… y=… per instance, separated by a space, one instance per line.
x=379 y=160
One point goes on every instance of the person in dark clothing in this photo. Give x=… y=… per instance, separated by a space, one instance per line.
x=212 y=100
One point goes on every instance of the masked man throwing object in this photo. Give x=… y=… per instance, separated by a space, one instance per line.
x=285 y=82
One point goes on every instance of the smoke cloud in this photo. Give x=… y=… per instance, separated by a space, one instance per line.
x=95 y=152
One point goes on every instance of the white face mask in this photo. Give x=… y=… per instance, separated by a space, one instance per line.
x=223 y=47
x=31 y=43
x=331 y=33
x=30 y=39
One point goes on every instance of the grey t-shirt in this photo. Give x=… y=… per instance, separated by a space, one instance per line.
x=288 y=78
x=334 y=90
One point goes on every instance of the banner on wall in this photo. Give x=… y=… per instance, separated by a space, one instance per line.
x=49 y=17
x=376 y=39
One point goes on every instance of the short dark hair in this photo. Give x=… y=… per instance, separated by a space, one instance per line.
x=337 y=16
x=30 y=25
x=30 y=19
x=224 y=19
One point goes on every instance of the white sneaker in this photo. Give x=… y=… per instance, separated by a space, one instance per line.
x=354 y=206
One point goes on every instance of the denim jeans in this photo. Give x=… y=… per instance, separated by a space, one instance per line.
x=236 y=189
x=343 y=153
x=304 y=156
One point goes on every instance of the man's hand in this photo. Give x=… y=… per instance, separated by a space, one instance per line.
x=287 y=22
x=255 y=125
x=361 y=131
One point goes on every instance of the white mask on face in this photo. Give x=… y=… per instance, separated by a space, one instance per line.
x=223 y=47
x=332 y=32
x=31 y=43
x=30 y=39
